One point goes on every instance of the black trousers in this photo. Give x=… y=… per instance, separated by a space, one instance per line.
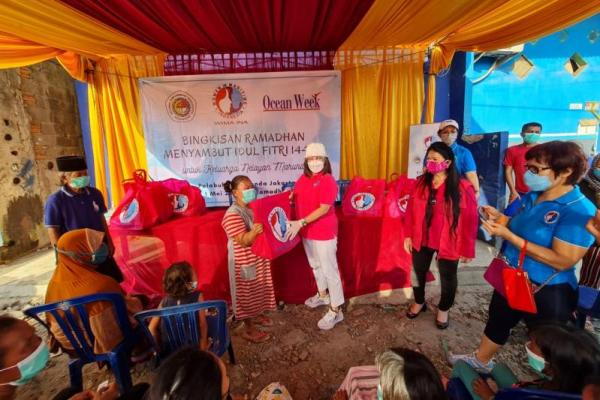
x=555 y=303
x=448 y=269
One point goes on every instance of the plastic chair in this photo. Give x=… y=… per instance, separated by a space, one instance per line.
x=588 y=305
x=181 y=325
x=287 y=186
x=456 y=390
x=342 y=185
x=68 y=313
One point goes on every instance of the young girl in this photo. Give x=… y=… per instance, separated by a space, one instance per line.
x=442 y=219
x=180 y=284
x=250 y=281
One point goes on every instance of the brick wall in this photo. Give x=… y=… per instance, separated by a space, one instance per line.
x=39 y=121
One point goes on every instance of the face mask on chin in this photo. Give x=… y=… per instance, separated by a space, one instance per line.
x=32 y=365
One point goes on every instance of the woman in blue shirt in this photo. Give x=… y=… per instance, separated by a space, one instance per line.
x=551 y=224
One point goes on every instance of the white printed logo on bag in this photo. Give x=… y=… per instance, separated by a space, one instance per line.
x=130 y=212
x=180 y=202
x=362 y=201
x=403 y=203
x=278 y=222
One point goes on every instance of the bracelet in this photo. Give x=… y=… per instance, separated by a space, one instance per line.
x=303 y=222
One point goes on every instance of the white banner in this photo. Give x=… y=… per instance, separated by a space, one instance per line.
x=421 y=136
x=207 y=129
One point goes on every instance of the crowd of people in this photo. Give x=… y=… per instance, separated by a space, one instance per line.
x=549 y=226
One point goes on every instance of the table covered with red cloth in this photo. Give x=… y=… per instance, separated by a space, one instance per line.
x=370 y=257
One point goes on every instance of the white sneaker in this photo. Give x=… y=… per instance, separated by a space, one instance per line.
x=317 y=301
x=330 y=319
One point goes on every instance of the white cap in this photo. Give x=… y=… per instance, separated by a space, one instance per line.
x=315 y=150
x=448 y=122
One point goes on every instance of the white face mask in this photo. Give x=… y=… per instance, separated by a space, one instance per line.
x=316 y=166
x=450 y=138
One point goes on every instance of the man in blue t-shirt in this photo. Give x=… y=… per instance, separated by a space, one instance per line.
x=77 y=205
x=465 y=164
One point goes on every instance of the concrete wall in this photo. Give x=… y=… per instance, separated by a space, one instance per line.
x=39 y=121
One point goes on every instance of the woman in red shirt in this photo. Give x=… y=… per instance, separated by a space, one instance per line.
x=442 y=219
x=315 y=193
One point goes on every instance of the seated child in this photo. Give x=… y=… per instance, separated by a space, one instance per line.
x=180 y=284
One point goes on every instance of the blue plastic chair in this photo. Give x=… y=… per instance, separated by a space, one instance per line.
x=456 y=390
x=342 y=186
x=181 y=325
x=287 y=186
x=588 y=305
x=67 y=313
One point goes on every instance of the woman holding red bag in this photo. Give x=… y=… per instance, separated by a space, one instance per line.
x=441 y=218
x=550 y=231
x=314 y=194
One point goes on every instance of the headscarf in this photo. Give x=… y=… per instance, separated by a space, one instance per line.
x=75 y=276
x=591 y=179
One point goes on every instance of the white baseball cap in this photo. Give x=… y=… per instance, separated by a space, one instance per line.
x=448 y=122
x=315 y=150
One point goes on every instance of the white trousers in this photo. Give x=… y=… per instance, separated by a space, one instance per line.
x=322 y=258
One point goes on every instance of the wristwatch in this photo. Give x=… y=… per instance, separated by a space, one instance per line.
x=303 y=222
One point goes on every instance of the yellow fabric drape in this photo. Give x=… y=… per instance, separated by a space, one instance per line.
x=16 y=52
x=53 y=24
x=116 y=118
x=379 y=103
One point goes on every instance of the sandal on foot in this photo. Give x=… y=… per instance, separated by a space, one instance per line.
x=258 y=337
x=263 y=320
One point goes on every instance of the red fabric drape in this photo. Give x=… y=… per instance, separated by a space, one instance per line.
x=236 y=26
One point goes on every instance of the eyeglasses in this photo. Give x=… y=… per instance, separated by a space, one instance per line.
x=535 y=170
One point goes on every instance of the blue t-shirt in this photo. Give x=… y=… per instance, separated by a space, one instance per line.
x=464 y=159
x=564 y=219
x=68 y=210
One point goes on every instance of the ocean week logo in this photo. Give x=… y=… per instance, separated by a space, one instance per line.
x=298 y=102
x=229 y=100
x=181 y=106
x=362 y=201
x=278 y=222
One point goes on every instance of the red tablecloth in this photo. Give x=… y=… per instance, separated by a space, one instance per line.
x=368 y=261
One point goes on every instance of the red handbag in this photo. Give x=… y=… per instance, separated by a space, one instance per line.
x=517 y=286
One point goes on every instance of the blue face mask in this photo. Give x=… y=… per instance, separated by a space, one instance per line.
x=537 y=183
x=249 y=195
x=536 y=362
x=596 y=172
x=379 y=392
x=531 y=138
x=80 y=182
x=32 y=365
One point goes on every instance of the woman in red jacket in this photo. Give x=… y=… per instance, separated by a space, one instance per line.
x=442 y=219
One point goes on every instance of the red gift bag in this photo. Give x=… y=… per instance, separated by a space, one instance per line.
x=399 y=191
x=145 y=204
x=364 y=198
x=187 y=199
x=273 y=212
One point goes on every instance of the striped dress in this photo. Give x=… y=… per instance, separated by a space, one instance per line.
x=250 y=297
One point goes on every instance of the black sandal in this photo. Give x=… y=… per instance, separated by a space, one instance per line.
x=411 y=315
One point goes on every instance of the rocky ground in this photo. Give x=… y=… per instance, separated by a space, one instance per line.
x=312 y=363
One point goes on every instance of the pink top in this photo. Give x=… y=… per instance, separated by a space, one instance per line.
x=309 y=194
x=515 y=157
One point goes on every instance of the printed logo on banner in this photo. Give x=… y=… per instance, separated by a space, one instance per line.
x=427 y=141
x=278 y=222
x=180 y=202
x=229 y=100
x=181 y=106
x=362 y=201
x=403 y=202
x=130 y=212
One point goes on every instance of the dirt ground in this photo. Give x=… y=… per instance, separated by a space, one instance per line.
x=312 y=363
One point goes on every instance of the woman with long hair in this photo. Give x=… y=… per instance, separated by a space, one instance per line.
x=442 y=219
